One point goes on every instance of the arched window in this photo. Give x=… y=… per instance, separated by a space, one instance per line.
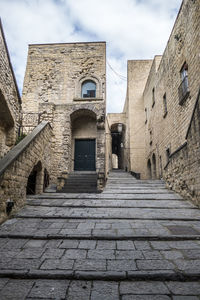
x=88 y=89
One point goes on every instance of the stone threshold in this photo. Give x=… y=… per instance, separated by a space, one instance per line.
x=160 y=275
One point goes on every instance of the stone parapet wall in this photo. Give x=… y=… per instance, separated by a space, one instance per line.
x=182 y=173
x=17 y=165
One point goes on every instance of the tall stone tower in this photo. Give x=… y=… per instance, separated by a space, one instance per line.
x=66 y=85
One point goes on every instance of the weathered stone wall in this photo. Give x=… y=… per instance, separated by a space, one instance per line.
x=17 y=165
x=147 y=120
x=52 y=90
x=168 y=130
x=138 y=71
x=182 y=171
x=10 y=102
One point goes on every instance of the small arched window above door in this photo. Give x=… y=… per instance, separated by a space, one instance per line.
x=88 y=89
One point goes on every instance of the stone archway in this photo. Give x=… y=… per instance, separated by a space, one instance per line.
x=84 y=140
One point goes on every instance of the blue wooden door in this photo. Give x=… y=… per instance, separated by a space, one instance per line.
x=84 y=158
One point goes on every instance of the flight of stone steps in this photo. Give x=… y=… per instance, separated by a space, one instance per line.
x=135 y=241
x=80 y=182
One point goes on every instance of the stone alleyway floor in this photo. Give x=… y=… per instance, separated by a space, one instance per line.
x=137 y=240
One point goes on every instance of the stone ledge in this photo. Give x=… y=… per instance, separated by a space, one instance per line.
x=87 y=99
x=163 y=275
x=101 y=237
x=104 y=218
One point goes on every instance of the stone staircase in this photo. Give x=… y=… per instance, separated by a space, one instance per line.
x=80 y=182
x=135 y=240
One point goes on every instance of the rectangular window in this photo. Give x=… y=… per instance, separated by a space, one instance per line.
x=164 y=105
x=145 y=115
x=153 y=97
x=150 y=136
x=183 y=89
x=168 y=152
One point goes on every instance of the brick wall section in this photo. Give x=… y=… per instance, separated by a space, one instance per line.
x=17 y=165
x=182 y=172
x=10 y=102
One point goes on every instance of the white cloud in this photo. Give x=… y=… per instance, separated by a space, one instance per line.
x=133 y=29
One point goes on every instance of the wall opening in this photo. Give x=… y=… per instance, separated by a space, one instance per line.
x=46 y=179
x=154 y=176
x=34 y=180
x=118 y=137
x=149 y=169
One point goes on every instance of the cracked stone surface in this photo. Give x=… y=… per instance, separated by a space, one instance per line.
x=136 y=240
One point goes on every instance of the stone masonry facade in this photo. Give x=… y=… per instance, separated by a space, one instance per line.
x=161 y=94
x=10 y=102
x=52 y=92
x=182 y=171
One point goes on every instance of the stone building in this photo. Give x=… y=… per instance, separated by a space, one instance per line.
x=65 y=84
x=10 y=101
x=161 y=94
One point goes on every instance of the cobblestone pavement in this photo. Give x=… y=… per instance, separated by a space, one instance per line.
x=136 y=240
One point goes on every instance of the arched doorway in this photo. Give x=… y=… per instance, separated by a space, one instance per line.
x=84 y=135
x=35 y=181
x=149 y=169
x=154 y=176
x=117 y=134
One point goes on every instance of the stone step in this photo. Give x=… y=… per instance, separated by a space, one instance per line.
x=80 y=182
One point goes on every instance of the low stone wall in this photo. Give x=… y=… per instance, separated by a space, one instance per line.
x=182 y=173
x=15 y=168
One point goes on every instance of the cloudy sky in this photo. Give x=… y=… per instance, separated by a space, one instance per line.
x=133 y=29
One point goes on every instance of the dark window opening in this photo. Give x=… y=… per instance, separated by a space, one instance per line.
x=164 y=105
x=88 y=89
x=46 y=179
x=153 y=97
x=145 y=115
x=168 y=152
x=183 y=89
x=154 y=175
x=149 y=169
